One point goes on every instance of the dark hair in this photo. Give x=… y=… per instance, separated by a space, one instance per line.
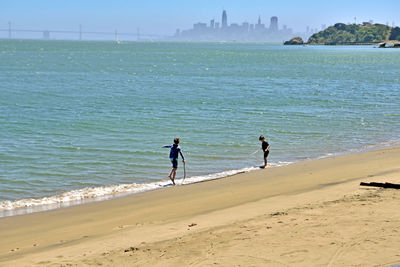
x=261 y=138
x=176 y=140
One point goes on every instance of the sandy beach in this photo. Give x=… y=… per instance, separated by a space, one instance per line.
x=311 y=213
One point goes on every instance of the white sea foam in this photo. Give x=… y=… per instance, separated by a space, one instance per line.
x=85 y=195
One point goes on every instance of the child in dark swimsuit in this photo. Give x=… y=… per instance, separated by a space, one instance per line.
x=173 y=156
x=265 y=148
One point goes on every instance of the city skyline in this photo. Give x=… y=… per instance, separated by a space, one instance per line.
x=233 y=31
x=161 y=18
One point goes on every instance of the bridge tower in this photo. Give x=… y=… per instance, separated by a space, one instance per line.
x=9 y=30
x=46 y=35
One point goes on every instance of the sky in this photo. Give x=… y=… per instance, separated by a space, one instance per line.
x=164 y=17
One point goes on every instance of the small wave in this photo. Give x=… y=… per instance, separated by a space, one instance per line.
x=91 y=194
x=85 y=195
x=380 y=145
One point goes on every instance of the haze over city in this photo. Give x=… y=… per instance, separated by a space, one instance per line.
x=164 y=18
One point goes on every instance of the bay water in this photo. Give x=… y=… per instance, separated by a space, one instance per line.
x=86 y=120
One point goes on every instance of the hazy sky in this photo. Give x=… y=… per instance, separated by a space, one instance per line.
x=164 y=17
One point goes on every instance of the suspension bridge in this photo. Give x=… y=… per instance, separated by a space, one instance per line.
x=80 y=34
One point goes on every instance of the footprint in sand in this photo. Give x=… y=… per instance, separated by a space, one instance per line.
x=43 y=262
x=294 y=252
x=133 y=249
x=278 y=213
x=119 y=227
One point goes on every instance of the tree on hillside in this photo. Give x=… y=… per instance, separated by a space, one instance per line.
x=395 y=34
x=341 y=33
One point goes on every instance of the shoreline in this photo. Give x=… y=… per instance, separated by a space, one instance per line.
x=111 y=232
x=84 y=196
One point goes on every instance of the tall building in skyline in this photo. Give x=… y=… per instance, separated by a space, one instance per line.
x=212 y=24
x=259 y=26
x=224 y=19
x=274 y=24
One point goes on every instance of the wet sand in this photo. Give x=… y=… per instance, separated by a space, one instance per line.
x=308 y=213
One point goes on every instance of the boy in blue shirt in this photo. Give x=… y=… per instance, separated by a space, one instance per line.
x=173 y=156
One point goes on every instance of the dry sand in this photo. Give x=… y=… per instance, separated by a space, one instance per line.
x=311 y=213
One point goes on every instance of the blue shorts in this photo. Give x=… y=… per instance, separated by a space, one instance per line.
x=174 y=162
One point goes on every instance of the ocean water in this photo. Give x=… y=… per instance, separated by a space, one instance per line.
x=87 y=120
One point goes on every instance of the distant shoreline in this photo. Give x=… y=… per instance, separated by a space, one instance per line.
x=390 y=44
x=343 y=43
x=203 y=42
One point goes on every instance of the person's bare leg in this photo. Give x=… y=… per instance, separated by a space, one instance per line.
x=173 y=176
x=265 y=162
x=170 y=174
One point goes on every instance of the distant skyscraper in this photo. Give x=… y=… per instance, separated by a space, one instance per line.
x=224 y=19
x=200 y=26
x=245 y=26
x=259 y=26
x=274 y=24
x=212 y=24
